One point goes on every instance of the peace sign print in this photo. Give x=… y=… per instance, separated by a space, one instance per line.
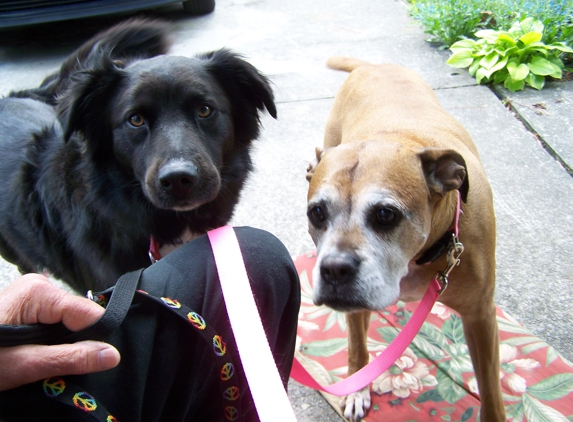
x=172 y=303
x=227 y=371
x=84 y=402
x=111 y=418
x=196 y=320
x=232 y=393
x=53 y=387
x=231 y=413
x=219 y=346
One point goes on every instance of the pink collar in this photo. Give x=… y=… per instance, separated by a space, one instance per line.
x=154 y=253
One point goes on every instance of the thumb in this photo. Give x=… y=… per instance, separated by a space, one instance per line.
x=24 y=364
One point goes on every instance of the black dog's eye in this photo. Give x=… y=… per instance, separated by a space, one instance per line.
x=136 y=120
x=204 y=111
x=316 y=215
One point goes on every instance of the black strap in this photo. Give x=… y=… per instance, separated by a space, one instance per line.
x=16 y=335
x=119 y=303
x=115 y=311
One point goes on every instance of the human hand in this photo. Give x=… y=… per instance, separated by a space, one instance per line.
x=33 y=299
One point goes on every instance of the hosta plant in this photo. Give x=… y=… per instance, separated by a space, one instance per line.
x=515 y=57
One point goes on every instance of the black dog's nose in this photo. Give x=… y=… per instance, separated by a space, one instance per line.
x=339 y=268
x=178 y=178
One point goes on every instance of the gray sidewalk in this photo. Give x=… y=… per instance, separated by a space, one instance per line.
x=527 y=151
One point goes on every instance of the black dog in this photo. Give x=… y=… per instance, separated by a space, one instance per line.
x=122 y=144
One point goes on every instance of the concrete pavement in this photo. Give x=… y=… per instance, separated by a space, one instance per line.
x=527 y=151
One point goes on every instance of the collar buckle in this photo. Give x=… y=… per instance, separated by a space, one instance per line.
x=453 y=257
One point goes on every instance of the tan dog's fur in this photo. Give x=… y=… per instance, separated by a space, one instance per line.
x=382 y=191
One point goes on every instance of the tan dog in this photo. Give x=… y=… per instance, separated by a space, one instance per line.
x=382 y=192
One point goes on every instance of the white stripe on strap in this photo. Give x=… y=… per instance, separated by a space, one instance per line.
x=271 y=400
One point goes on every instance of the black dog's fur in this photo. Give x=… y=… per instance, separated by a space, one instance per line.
x=120 y=144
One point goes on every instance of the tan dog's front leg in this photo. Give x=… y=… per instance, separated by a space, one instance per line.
x=357 y=404
x=482 y=338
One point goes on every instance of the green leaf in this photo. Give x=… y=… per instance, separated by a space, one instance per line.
x=544 y=67
x=460 y=360
x=324 y=348
x=462 y=58
x=529 y=24
x=465 y=44
x=490 y=60
x=467 y=415
x=500 y=76
x=513 y=85
x=482 y=75
x=520 y=341
x=535 y=81
x=474 y=67
x=552 y=388
x=435 y=334
x=531 y=37
x=556 y=61
x=499 y=65
x=552 y=354
x=539 y=344
x=425 y=348
x=535 y=51
x=507 y=37
x=516 y=27
x=388 y=333
x=560 y=46
x=518 y=72
x=511 y=327
x=454 y=330
x=486 y=34
x=537 y=26
x=506 y=52
x=430 y=395
x=535 y=411
x=514 y=411
x=449 y=390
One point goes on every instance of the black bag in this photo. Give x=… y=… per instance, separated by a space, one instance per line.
x=77 y=398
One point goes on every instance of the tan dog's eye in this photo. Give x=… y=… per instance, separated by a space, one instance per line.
x=204 y=111
x=316 y=215
x=136 y=120
x=386 y=216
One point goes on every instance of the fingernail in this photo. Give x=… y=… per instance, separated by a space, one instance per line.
x=108 y=358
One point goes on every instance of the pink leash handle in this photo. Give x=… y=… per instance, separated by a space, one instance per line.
x=374 y=369
x=267 y=390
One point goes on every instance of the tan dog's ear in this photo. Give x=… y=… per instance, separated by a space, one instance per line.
x=312 y=165
x=445 y=170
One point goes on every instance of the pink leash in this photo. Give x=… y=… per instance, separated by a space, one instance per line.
x=261 y=371
x=374 y=369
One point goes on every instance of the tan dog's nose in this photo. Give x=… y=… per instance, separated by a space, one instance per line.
x=339 y=268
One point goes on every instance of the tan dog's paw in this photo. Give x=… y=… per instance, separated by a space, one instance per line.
x=356 y=405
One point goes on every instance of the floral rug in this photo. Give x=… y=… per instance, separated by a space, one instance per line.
x=433 y=380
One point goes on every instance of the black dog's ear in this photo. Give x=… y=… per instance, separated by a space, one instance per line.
x=130 y=40
x=248 y=89
x=86 y=105
x=445 y=170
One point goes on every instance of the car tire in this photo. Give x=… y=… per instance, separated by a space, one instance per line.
x=199 y=7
